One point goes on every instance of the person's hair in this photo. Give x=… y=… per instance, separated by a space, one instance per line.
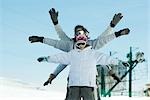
x=80 y=26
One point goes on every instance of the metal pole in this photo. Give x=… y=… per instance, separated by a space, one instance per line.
x=130 y=72
x=110 y=53
x=102 y=82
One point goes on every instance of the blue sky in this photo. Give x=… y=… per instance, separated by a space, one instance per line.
x=23 y=18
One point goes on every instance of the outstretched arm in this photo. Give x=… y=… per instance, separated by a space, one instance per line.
x=55 y=73
x=113 y=23
x=107 y=35
x=101 y=41
x=59 y=69
x=62 y=35
x=54 y=17
x=104 y=59
x=62 y=58
x=59 y=44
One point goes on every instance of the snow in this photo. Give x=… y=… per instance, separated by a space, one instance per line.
x=12 y=89
x=17 y=90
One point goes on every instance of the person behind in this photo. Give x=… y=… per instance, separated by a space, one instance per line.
x=66 y=43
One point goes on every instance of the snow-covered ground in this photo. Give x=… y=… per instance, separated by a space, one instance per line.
x=17 y=90
x=11 y=89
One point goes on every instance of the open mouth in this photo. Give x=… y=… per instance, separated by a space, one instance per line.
x=80 y=44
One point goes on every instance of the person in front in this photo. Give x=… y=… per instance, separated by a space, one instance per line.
x=82 y=60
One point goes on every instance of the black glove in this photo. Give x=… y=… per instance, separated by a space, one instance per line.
x=54 y=16
x=46 y=83
x=41 y=59
x=126 y=64
x=122 y=32
x=116 y=19
x=33 y=39
x=116 y=77
x=50 y=79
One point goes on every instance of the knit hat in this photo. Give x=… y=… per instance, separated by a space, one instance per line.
x=80 y=28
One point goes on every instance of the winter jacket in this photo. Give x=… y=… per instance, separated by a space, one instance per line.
x=66 y=44
x=82 y=65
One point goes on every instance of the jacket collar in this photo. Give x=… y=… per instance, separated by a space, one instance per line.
x=85 y=49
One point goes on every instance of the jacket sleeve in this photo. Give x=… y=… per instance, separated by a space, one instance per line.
x=59 y=44
x=59 y=68
x=62 y=58
x=104 y=59
x=62 y=35
x=109 y=30
x=103 y=39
